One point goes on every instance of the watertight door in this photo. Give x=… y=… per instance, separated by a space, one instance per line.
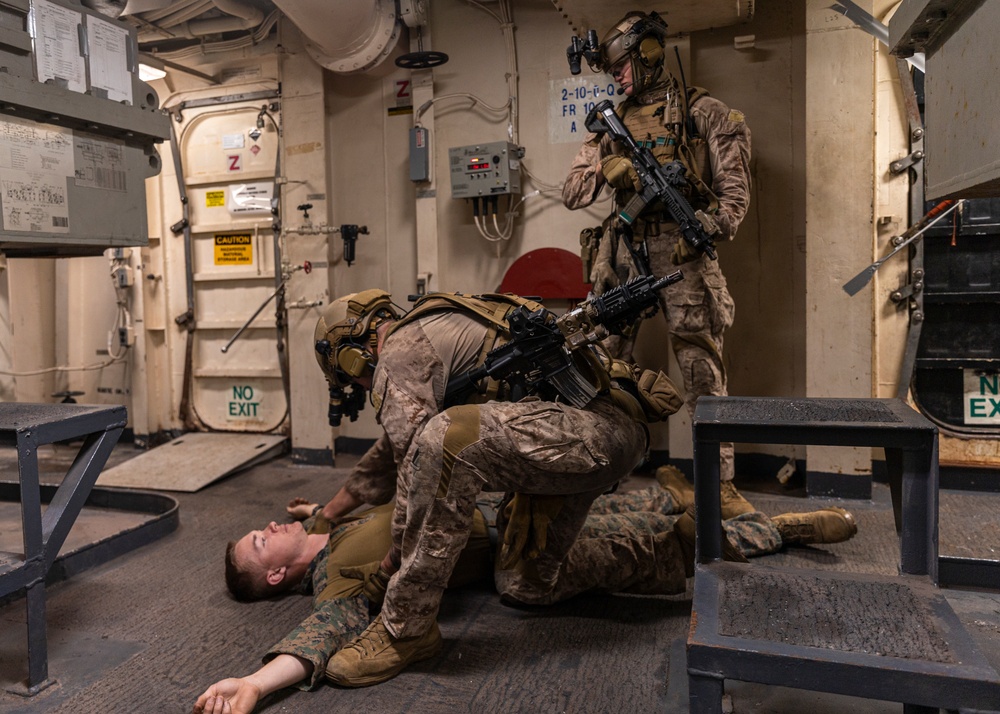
x=228 y=156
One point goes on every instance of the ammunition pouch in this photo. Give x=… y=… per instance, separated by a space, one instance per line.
x=653 y=392
x=590 y=241
x=658 y=395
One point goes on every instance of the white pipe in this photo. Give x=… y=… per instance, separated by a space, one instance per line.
x=182 y=15
x=253 y=16
x=240 y=17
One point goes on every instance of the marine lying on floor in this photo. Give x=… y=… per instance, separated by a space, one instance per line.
x=639 y=541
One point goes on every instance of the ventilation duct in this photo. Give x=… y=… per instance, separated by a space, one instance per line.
x=346 y=36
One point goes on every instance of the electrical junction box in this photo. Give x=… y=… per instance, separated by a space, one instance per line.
x=485 y=169
x=419 y=155
x=122 y=276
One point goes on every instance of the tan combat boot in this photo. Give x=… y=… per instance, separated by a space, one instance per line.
x=733 y=503
x=829 y=525
x=673 y=482
x=376 y=656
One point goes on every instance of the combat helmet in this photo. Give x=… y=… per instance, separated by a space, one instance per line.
x=639 y=38
x=345 y=340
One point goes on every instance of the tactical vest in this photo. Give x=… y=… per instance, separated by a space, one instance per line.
x=666 y=130
x=492 y=308
x=623 y=382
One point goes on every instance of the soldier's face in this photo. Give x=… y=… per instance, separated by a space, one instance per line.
x=622 y=73
x=274 y=546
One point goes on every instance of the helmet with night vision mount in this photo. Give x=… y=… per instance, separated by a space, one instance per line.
x=638 y=38
x=345 y=340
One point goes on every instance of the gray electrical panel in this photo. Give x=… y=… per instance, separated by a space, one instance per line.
x=485 y=169
x=419 y=155
x=78 y=130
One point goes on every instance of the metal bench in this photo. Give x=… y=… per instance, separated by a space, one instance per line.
x=893 y=638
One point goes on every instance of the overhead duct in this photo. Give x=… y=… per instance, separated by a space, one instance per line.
x=134 y=7
x=346 y=36
x=239 y=16
x=176 y=19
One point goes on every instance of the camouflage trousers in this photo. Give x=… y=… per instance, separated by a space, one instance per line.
x=529 y=447
x=699 y=309
x=753 y=533
x=628 y=544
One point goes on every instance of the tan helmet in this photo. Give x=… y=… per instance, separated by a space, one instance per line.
x=345 y=335
x=639 y=38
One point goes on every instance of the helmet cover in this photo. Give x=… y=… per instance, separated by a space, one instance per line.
x=345 y=336
x=639 y=38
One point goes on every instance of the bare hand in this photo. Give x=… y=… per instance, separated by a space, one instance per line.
x=228 y=696
x=300 y=508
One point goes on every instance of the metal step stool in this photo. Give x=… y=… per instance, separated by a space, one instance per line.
x=892 y=638
x=26 y=427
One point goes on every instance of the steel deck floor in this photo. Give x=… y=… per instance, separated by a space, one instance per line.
x=151 y=630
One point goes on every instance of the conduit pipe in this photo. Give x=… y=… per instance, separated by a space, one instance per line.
x=239 y=16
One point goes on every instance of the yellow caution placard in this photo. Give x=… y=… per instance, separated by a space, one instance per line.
x=233 y=249
x=215 y=198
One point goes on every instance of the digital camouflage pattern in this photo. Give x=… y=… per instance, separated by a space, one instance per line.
x=699 y=308
x=373 y=478
x=626 y=544
x=447 y=457
x=340 y=611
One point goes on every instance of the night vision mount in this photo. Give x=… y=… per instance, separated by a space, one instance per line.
x=587 y=48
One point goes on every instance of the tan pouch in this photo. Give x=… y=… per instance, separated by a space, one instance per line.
x=659 y=397
x=590 y=240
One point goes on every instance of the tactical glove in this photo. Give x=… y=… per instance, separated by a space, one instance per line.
x=619 y=172
x=602 y=278
x=526 y=534
x=602 y=274
x=375 y=581
x=684 y=253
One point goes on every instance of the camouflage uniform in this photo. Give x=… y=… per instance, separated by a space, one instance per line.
x=628 y=544
x=753 y=533
x=447 y=456
x=616 y=551
x=699 y=308
x=340 y=611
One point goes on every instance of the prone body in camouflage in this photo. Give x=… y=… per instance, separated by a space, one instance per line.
x=624 y=546
x=620 y=548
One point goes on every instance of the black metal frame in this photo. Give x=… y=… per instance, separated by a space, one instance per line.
x=28 y=426
x=910 y=443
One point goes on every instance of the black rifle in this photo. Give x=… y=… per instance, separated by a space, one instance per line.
x=658 y=182
x=539 y=351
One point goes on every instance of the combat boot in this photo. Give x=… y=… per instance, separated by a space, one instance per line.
x=376 y=656
x=673 y=482
x=829 y=525
x=733 y=503
x=684 y=527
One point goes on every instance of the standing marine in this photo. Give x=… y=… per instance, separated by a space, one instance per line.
x=712 y=143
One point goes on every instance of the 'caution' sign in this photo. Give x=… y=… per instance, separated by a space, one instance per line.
x=233 y=249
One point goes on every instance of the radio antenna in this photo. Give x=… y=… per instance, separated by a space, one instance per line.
x=689 y=127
